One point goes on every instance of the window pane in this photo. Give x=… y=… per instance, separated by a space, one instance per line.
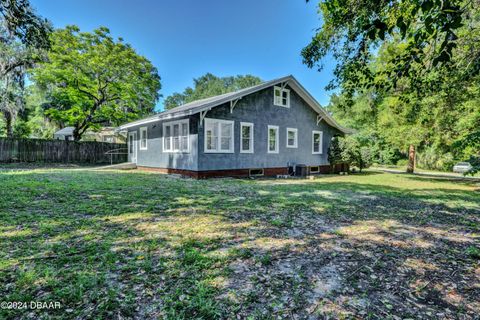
x=226 y=129
x=291 y=138
x=176 y=143
x=225 y=145
x=316 y=142
x=272 y=140
x=167 y=136
x=211 y=136
x=143 y=139
x=245 y=132
x=184 y=143
x=245 y=144
x=226 y=136
x=184 y=129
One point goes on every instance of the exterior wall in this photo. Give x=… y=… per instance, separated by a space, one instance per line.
x=258 y=108
x=155 y=157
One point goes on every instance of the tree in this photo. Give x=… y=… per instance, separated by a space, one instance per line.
x=210 y=85
x=401 y=56
x=22 y=23
x=352 y=31
x=353 y=153
x=92 y=80
x=335 y=152
x=407 y=77
x=23 y=36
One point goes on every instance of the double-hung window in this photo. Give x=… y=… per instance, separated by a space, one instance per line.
x=246 y=137
x=317 y=137
x=281 y=97
x=272 y=139
x=292 y=138
x=143 y=138
x=218 y=136
x=176 y=136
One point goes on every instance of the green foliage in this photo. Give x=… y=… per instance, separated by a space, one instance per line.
x=22 y=23
x=91 y=80
x=335 y=151
x=23 y=36
x=408 y=73
x=22 y=129
x=431 y=159
x=350 y=150
x=210 y=85
x=352 y=31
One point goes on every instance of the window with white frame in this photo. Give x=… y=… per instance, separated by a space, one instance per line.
x=218 y=136
x=246 y=137
x=317 y=137
x=176 y=136
x=272 y=139
x=281 y=97
x=292 y=138
x=143 y=138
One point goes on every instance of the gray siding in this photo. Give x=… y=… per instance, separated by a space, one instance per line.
x=154 y=155
x=258 y=108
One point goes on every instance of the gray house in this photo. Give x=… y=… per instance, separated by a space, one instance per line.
x=268 y=129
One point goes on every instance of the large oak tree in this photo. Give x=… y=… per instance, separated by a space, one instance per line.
x=435 y=48
x=23 y=37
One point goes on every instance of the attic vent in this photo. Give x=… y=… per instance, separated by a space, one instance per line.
x=315 y=169
x=255 y=172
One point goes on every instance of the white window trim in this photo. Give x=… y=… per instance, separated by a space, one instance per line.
x=232 y=136
x=277 y=136
x=295 y=145
x=144 y=134
x=275 y=88
x=321 y=142
x=171 y=123
x=252 y=139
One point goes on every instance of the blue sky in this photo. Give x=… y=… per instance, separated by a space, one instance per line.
x=185 y=39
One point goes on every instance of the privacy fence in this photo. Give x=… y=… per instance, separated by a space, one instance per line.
x=37 y=150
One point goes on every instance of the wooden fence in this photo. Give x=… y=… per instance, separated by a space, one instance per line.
x=37 y=150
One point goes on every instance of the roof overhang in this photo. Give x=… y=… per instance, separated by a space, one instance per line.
x=290 y=80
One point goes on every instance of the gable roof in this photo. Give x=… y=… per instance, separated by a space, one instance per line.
x=209 y=103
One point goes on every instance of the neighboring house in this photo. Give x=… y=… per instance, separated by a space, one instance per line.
x=266 y=129
x=106 y=134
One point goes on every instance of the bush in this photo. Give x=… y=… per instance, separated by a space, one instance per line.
x=402 y=162
x=432 y=159
x=353 y=153
x=389 y=156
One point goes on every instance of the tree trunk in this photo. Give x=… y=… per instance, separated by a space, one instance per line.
x=8 y=123
x=411 y=159
x=76 y=134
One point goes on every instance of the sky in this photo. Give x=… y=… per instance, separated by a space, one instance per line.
x=185 y=39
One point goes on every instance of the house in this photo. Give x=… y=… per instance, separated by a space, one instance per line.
x=267 y=129
x=106 y=134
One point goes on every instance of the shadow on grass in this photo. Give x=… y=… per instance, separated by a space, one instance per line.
x=148 y=246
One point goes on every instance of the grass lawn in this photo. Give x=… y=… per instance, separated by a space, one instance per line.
x=118 y=245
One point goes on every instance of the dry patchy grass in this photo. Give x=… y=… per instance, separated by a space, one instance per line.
x=137 y=245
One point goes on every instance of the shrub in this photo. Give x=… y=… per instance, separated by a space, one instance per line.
x=432 y=159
